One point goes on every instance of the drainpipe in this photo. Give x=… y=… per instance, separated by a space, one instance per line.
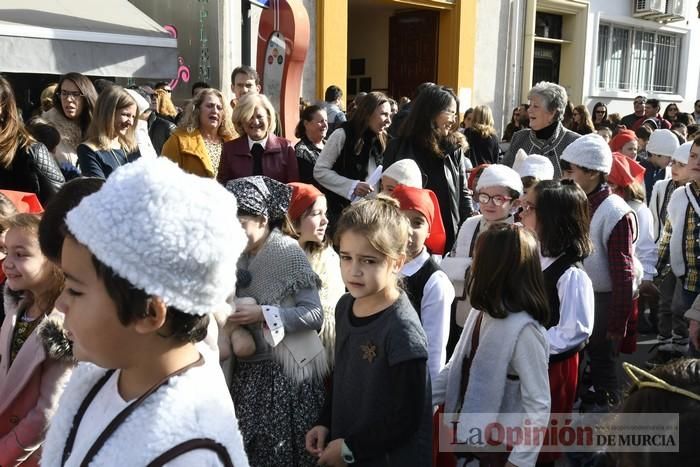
x=514 y=75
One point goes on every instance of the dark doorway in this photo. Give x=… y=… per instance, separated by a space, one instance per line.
x=413 y=50
x=545 y=66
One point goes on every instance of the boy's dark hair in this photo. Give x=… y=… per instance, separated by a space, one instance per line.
x=693 y=128
x=101 y=84
x=245 y=70
x=133 y=304
x=52 y=227
x=500 y=287
x=680 y=137
x=199 y=85
x=44 y=132
x=602 y=177
x=654 y=103
x=333 y=93
x=642 y=133
x=566 y=226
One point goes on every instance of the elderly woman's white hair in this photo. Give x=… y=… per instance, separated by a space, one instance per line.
x=553 y=96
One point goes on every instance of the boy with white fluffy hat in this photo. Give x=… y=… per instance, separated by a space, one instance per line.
x=146 y=264
x=532 y=169
x=588 y=161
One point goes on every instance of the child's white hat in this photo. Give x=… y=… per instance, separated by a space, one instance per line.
x=500 y=175
x=534 y=165
x=663 y=143
x=591 y=152
x=682 y=154
x=172 y=234
x=406 y=172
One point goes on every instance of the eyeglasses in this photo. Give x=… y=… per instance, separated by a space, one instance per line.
x=167 y=90
x=600 y=111
x=67 y=94
x=498 y=200
x=644 y=379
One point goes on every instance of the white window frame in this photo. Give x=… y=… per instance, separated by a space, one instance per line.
x=646 y=26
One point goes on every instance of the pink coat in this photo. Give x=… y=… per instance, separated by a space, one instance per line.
x=29 y=390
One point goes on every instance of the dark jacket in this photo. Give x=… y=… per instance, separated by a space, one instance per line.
x=159 y=130
x=446 y=176
x=102 y=162
x=279 y=161
x=482 y=150
x=33 y=170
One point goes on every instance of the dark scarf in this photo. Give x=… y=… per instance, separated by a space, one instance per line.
x=546 y=132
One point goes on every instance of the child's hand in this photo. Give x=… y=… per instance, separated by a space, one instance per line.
x=316 y=440
x=246 y=314
x=332 y=455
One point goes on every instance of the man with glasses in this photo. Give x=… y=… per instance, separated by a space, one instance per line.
x=634 y=120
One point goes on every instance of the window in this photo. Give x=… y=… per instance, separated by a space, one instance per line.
x=637 y=60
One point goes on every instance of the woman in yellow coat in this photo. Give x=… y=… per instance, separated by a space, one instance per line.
x=203 y=129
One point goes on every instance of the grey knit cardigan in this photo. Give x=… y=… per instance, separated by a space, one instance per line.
x=550 y=148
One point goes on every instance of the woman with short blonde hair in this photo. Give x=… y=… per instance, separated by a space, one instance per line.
x=257 y=151
x=111 y=139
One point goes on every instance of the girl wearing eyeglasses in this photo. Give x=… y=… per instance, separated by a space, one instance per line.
x=73 y=108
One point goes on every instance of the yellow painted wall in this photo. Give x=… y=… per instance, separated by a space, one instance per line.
x=332 y=46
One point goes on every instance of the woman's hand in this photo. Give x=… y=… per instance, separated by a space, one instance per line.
x=362 y=189
x=332 y=455
x=316 y=440
x=246 y=314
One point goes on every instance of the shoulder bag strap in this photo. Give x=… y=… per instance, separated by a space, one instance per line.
x=467 y=362
x=193 y=445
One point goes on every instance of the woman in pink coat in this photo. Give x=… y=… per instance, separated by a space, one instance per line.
x=35 y=357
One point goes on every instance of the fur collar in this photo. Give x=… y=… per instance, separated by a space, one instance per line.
x=50 y=331
x=195 y=404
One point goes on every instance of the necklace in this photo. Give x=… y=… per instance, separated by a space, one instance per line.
x=116 y=159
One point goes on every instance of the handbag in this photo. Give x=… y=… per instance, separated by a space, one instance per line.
x=458 y=270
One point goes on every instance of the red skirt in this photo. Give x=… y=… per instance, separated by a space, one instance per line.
x=563 y=381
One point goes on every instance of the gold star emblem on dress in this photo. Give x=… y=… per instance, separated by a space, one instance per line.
x=369 y=351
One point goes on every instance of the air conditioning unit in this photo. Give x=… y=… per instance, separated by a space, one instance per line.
x=649 y=9
x=674 y=10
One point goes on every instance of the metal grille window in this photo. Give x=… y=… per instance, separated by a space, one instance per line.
x=637 y=60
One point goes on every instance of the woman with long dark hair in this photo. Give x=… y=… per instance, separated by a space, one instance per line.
x=73 y=107
x=25 y=165
x=430 y=137
x=352 y=153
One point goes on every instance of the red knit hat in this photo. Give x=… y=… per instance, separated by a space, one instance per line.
x=625 y=171
x=620 y=139
x=303 y=197
x=24 y=202
x=425 y=202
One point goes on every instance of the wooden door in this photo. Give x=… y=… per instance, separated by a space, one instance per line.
x=413 y=50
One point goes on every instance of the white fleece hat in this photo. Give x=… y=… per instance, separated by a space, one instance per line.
x=534 y=165
x=682 y=154
x=141 y=104
x=589 y=151
x=500 y=175
x=170 y=233
x=406 y=172
x=663 y=143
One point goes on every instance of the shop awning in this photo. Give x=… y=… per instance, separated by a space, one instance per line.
x=102 y=38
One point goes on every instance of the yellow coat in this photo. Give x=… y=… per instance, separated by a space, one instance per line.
x=188 y=151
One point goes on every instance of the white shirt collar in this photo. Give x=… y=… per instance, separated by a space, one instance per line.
x=415 y=264
x=262 y=142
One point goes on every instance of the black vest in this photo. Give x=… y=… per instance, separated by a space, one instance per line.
x=415 y=284
x=551 y=277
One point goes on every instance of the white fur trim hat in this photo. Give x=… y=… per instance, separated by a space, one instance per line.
x=172 y=234
x=589 y=151
x=663 y=143
x=500 y=175
x=534 y=165
x=406 y=172
x=682 y=154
